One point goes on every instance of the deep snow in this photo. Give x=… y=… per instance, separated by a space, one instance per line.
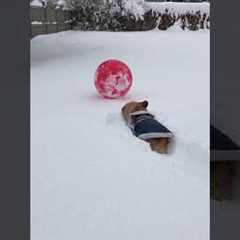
x=90 y=178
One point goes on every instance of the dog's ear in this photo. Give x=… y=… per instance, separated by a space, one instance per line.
x=123 y=108
x=145 y=103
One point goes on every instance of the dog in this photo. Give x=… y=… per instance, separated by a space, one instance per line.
x=146 y=127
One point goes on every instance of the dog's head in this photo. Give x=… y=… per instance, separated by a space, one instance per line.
x=131 y=107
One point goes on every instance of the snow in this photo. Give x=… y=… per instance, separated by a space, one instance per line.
x=37 y=23
x=41 y=23
x=36 y=3
x=135 y=7
x=90 y=177
x=178 y=7
x=138 y=7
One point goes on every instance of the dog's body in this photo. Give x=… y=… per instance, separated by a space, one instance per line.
x=145 y=126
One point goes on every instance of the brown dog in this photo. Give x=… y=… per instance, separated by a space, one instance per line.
x=157 y=143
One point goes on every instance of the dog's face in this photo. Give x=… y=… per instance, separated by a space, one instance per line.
x=131 y=107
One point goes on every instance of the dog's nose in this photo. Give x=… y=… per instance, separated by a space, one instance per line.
x=145 y=103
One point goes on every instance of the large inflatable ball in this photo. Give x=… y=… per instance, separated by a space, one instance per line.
x=113 y=79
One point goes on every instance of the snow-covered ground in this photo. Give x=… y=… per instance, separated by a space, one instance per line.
x=90 y=177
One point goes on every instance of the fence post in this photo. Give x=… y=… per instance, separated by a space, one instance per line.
x=71 y=17
x=45 y=20
x=57 y=22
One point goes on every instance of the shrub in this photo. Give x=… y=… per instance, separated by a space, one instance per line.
x=135 y=15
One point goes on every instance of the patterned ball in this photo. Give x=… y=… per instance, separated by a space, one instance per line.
x=113 y=79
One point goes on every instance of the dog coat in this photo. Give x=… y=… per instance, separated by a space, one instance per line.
x=145 y=126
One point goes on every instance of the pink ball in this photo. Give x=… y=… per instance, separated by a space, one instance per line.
x=113 y=79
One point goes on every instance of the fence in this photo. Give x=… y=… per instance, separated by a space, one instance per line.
x=49 y=20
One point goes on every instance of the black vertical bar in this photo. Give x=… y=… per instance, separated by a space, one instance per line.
x=15 y=121
x=225 y=39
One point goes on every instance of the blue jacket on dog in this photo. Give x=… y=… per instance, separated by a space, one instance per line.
x=145 y=126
